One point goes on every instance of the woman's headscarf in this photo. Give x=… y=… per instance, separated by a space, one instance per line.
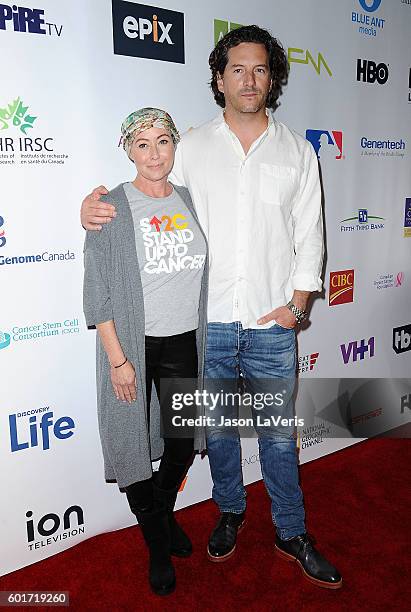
x=144 y=119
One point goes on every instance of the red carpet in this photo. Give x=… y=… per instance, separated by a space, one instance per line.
x=358 y=505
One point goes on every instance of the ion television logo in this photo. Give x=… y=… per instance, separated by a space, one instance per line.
x=326 y=142
x=29 y=20
x=146 y=31
x=52 y=527
x=38 y=427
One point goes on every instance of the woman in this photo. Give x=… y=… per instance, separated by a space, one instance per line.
x=145 y=290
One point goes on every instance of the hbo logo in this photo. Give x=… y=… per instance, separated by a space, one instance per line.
x=369 y=72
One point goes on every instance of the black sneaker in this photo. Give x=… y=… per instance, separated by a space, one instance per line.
x=313 y=565
x=222 y=542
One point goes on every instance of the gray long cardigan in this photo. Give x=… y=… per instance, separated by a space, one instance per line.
x=113 y=290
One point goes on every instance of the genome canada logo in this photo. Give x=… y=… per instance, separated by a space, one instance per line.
x=27 y=20
x=38 y=428
x=149 y=32
x=370 y=72
x=371 y=147
x=357 y=350
x=17 y=146
x=306 y=363
x=53 y=527
x=407 y=218
x=367 y=18
x=39 y=331
x=326 y=143
x=362 y=222
x=341 y=289
x=295 y=55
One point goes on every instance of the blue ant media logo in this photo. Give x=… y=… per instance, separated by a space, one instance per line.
x=325 y=142
x=368 y=23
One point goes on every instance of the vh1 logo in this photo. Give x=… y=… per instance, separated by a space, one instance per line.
x=147 y=31
x=341 y=287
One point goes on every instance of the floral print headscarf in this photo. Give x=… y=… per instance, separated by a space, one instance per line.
x=144 y=119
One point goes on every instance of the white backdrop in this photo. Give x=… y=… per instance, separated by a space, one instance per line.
x=67 y=92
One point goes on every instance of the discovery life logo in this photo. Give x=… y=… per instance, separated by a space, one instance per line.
x=316 y=60
x=38 y=428
x=326 y=143
x=146 y=31
x=362 y=222
x=17 y=146
x=367 y=20
x=27 y=20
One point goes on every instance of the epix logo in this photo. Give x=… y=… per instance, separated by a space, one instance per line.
x=2 y=233
x=301 y=56
x=341 y=287
x=369 y=72
x=355 y=350
x=401 y=339
x=322 y=139
x=147 y=31
x=407 y=218
x=22 y=19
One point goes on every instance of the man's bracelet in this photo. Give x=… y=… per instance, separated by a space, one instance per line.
x=299 y=314
x=121 y=364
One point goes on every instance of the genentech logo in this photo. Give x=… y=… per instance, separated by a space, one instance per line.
x=324 y=140
x=401 y=339
x=370 y=72
x=341 y=287
x=358 y=350
x=147 y=31
x=304 y=56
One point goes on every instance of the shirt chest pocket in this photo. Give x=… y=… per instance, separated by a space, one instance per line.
x=278 y=184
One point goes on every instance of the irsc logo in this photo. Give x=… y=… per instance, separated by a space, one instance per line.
x=341 y=287
x=26 y=20
x=369 y=72
x=322 y=139
x=293 y=57
x=148 y=32
x=16 y=114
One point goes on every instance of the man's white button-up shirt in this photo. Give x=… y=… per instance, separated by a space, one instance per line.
x=261 y=213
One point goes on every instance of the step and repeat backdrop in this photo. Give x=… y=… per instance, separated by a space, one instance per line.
x=71 y=72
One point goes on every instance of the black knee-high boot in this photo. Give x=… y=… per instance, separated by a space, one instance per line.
x=153 y=519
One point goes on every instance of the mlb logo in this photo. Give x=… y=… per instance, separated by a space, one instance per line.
x=321 y=139
x=341 y=287
x=362 y=215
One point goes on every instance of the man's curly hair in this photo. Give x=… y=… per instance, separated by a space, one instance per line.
x=277 y=60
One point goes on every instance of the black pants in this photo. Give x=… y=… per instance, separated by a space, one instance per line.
x=167 y=357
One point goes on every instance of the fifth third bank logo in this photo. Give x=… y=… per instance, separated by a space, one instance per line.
x=147 y=31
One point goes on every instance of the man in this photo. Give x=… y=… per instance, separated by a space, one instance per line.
x=256 y=189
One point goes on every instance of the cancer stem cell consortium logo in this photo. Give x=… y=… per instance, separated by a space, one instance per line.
x=147 y=31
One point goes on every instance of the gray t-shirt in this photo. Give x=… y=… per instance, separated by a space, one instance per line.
x=171 y=253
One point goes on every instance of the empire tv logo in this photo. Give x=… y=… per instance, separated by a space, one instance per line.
x=30 y=21
x=401 y=339
x=149 y=32
x=370 y=72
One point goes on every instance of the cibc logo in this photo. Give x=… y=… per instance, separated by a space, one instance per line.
x=22 y=19
x=370 y=72
x=147 y=31
x=341 y=287
x=401 y=339
x=52 y=528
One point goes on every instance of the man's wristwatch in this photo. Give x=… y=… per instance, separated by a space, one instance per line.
x=299 y=314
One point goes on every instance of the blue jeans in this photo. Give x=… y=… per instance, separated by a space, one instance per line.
x=266 y=359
